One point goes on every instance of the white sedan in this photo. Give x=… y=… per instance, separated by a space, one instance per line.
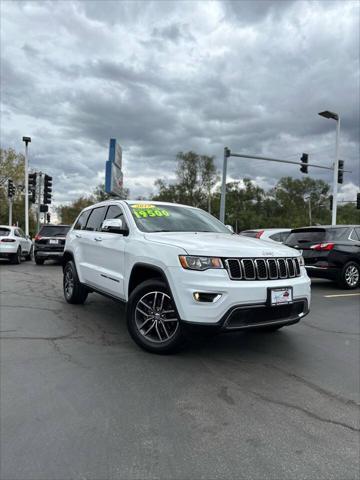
x=14 y=244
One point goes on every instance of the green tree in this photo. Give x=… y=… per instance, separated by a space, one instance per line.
x=195 y=177
x=68 y=212
x=12 y=165
x=348 y=214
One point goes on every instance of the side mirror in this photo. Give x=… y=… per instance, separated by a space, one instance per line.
x=229 y=227
x=114 y=225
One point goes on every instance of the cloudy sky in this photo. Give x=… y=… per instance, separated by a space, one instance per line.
x=162 y=77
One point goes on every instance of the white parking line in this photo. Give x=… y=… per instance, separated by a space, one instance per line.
x=343 y=295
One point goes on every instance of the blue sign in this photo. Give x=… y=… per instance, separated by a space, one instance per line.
x=113 y=169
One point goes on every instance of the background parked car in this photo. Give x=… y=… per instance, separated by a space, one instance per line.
x=331 y=252
x=50 y=243
x=274 y=234
x=14 y=244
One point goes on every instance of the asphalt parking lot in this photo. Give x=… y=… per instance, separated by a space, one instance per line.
x=79 y=400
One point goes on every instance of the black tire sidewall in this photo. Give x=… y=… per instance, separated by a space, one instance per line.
x=343 y=282
x=16 y=259
x=172 y=345
x=39 y=261
x=80 y=292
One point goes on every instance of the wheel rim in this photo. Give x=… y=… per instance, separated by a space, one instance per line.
x=155 y=317
x=352 y=275
x=68 y=282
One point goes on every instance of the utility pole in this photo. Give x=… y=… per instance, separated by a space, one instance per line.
x=27 y=140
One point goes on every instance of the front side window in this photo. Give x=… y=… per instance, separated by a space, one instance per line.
x=174 y=218
x=95 y=219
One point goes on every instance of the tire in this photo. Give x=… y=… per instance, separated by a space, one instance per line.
x=350 y=276
x=28 y=257
x=74 y=291
x=39 y=261
x=149 y=311
x=16 y=257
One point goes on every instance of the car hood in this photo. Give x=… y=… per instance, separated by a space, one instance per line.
x=221 y=245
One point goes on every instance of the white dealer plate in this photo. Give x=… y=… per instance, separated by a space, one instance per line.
x=280 y=296
x=54 y=242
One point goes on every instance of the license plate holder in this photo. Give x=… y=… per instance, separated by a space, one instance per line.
x=53 y=242
x=280 y=296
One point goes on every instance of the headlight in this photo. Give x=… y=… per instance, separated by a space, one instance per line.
x=301 y=261
x=200 y=263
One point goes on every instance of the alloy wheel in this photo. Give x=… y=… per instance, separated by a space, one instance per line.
x=156 y=318
x=68 y=282
x=352 y=275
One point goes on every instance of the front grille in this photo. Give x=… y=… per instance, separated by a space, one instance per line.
x=258 y=315
x=262 y=268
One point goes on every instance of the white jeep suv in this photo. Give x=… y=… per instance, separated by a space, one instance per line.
x=176 y=265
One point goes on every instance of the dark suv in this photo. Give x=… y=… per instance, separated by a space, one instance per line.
x=331 y=252
x=50 y=242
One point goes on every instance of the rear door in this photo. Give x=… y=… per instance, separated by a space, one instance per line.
x=88 y=242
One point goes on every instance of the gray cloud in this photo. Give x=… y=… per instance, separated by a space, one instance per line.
x=164 y=77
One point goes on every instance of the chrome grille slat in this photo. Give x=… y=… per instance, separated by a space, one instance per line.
x=248 y=269
x=262 y=268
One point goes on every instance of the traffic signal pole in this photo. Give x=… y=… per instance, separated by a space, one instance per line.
x=10 y=211
x=27 y=140
x=39 y=180
x=228 y=153
x=336 y=173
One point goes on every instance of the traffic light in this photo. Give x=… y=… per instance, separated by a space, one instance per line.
x=341 y=171
x=47 y=189
x=32 y=187
x=11 y=189
x=358 y=201
x=331 y=202
x=48 y=217
x=227 y=152
x=32 y=181
x=304 y=159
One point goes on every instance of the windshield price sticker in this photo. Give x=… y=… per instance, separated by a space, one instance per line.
x=143 y=206
x=150 y=212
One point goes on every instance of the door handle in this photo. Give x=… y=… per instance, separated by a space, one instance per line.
x=98 y=239
x=77 y=235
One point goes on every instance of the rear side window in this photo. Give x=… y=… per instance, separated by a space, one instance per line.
x=4 y=232
x=81 y=221
x=95 y=219
x=276 y=237
x=54 y=230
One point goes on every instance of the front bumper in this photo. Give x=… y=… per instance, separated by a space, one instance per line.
x=233 y=295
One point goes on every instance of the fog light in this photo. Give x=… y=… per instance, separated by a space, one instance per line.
x=206 y=297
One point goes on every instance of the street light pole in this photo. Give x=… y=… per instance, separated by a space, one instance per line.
x=334 y=116
x=336 y=170
x=27 y=140
x=223 y=186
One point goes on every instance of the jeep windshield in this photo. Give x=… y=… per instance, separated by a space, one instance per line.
x=174 y=218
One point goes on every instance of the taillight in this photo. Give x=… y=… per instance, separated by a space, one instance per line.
x=259 y=233
x=37 y=237
x=7 y=240
x=322 y=247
